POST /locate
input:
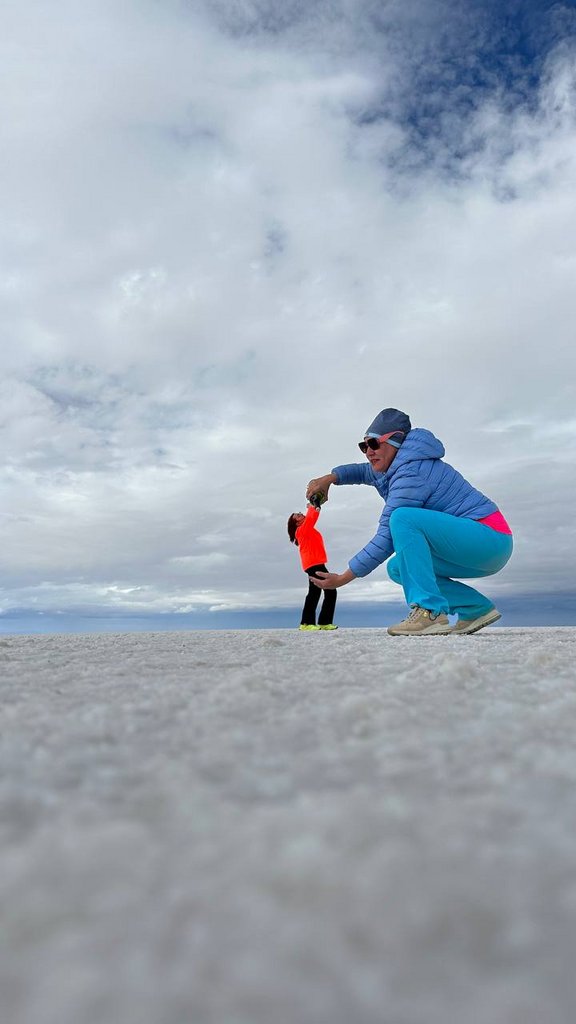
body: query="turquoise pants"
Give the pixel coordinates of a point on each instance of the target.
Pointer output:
(432, 548)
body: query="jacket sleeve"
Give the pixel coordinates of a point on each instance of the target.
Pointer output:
(409, 490)
(354, 473)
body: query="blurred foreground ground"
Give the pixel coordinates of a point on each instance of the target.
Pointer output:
(272, 827)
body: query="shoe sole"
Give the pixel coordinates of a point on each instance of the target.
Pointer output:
(477, 624)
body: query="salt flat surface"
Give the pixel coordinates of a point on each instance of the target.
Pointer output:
(274, 827)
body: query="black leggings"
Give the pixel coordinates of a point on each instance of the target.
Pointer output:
(311, 603)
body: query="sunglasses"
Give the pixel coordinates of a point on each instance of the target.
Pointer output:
(372, 442)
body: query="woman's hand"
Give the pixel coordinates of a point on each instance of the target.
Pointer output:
(332, 580)
(322, 483)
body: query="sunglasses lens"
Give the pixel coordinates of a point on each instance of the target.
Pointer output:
(363, 446)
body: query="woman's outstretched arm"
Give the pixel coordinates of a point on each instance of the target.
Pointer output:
(332, 580)
(321, 483)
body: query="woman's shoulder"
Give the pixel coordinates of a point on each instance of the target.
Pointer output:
(421, 444)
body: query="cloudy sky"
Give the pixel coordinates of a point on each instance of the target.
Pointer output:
(231, 232)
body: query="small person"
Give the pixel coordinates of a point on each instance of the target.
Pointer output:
(303, 533)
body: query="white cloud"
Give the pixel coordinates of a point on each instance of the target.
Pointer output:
(217, 267)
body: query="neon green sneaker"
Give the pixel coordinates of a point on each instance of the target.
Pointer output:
(330, 626)
(310, 627)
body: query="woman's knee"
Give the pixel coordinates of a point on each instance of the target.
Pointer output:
(393, 569)
(402, 517)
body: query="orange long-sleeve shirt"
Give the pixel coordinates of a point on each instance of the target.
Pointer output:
(310, 541)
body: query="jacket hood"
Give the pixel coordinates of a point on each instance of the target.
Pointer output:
(419, 444)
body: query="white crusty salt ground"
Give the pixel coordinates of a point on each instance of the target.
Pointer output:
(274, 827)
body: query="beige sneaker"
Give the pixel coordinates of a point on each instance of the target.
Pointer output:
(473, 625)
(421, 622)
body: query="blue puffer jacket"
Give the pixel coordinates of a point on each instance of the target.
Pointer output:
(416, 478)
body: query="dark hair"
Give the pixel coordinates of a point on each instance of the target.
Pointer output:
(292, 527)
